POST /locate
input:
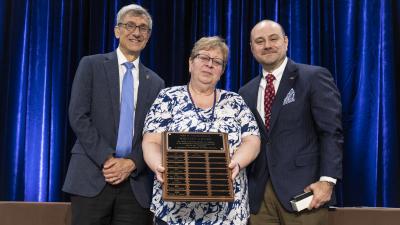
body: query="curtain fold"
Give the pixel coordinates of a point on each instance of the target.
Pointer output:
(42, 41)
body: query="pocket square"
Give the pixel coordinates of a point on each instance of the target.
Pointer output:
(289, 97)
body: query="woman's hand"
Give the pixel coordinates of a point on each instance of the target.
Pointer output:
(235, 167)
(245, 154)
(159, 173)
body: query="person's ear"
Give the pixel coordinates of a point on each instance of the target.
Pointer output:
(116, 32)
(190, 61)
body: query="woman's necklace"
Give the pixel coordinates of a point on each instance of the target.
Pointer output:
(202, 118)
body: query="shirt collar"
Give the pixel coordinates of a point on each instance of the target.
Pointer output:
(122, 59)
(278, 72)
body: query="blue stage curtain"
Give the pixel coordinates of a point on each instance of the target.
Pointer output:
(42, 41)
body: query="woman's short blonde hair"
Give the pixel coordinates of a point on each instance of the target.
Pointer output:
(207, 43)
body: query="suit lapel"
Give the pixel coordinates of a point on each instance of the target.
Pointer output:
(252, 100)
(287, 81)
(142, 96)
(112, 74)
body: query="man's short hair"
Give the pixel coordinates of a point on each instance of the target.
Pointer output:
(134, 10)
(207, 43)
(271, 21)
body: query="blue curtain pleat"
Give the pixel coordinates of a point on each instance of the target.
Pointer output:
(388, 166)
(37, 106)
(42, 41)
(14, 117)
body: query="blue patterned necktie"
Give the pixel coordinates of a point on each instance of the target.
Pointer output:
(127, 114)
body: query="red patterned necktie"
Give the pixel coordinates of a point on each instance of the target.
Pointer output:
(269, 96)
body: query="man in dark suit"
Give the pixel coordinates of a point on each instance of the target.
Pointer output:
(107, 178)
(298, 111)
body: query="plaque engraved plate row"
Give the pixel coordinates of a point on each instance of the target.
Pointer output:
(196, 167)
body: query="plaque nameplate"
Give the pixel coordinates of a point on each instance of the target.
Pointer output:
(196, 167)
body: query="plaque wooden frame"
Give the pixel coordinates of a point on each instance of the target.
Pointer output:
(196, 167)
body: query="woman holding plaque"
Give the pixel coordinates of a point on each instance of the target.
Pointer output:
(200, 107)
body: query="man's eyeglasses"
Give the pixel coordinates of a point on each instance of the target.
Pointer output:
(217, 62)
(132, 27)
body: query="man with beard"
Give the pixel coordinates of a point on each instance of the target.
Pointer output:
(298, 111)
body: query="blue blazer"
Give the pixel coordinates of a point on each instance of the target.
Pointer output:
(305, 137)
(94, 112)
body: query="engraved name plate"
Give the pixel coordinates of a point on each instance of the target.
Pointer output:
(196, 166)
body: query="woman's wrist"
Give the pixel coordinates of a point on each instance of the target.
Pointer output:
(238, 164)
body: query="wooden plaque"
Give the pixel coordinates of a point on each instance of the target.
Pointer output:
(196, 166)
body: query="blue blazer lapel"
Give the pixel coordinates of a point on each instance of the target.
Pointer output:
(142, 96)
(112, 74)
(252, 100)
(288, 78)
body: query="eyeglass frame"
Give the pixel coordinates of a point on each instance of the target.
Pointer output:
(222, 65)
(134, 26)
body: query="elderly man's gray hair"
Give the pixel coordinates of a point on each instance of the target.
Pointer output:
(134, 10)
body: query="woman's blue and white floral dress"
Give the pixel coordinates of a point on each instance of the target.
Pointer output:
(173, 110)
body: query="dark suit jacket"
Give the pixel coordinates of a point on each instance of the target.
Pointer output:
(94, 112)
(305, 137)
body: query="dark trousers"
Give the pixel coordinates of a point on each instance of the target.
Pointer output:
(115, 205)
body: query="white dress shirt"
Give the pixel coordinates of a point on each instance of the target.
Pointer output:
(135, 72)
(278, 72)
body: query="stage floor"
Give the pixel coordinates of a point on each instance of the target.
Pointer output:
(59, 213)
